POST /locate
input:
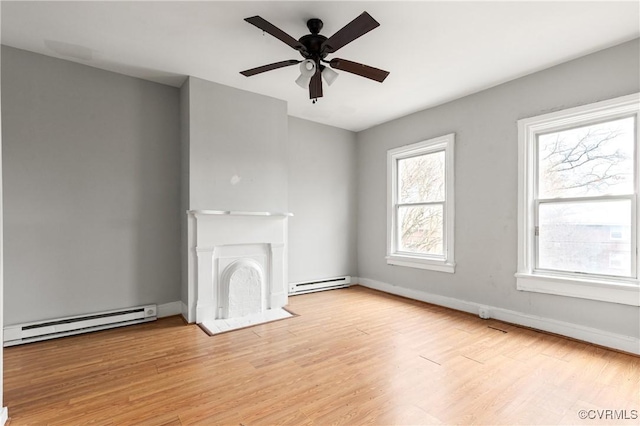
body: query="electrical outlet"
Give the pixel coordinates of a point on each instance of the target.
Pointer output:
(484, 313)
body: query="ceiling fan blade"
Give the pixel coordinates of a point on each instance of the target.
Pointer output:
(359, 69)
(268, 27)
(354, 29)
(315, 86)
(264, 68)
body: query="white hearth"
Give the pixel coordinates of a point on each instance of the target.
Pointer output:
(237, 268)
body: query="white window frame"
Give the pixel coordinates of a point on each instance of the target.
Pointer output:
(444, 263)
(609, 289)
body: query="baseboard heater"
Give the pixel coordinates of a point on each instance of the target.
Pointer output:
(60, 327)
(319, 285)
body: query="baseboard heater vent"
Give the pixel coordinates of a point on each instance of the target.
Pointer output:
(60, 327)
(320, 285)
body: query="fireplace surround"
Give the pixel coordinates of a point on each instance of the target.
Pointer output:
(237, 265)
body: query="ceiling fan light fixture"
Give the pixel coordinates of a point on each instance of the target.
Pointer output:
(329, 75)
(303, 81)
(308, 68)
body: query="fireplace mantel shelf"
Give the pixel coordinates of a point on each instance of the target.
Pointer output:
(236, 213)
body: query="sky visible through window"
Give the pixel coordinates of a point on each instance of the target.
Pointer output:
(579, 230)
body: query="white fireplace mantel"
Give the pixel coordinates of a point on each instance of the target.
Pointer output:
(236, 213)
(215, 236)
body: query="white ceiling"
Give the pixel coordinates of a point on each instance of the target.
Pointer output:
(436, 51)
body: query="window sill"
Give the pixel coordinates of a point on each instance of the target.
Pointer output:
(420, 263)
(625, 292)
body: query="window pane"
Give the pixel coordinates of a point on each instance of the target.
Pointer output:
(587, 161)
(421, 178)
(589, 237)
(421, 229)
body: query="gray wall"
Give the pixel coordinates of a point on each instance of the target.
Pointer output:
(236, 134)
(184, 190)
(91, 164)
(486, 187)
(1, 254)
(234, 153)
(93, 177)
(322, 197)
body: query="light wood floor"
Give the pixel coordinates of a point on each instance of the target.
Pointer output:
(353, 356)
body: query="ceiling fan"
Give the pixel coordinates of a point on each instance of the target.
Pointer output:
(314, 48)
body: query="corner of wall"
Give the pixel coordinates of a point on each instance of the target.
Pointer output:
(184, 185)
(4, 415)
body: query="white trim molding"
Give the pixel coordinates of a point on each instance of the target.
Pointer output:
(169, 309)
(413, 262)
(602, 290)
(623, 290)
(587, 334)
(185, 312)
(237, 213)
(4, 415)
(441, 263)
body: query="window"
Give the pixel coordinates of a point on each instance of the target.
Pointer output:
(420, 205)
(577, 206)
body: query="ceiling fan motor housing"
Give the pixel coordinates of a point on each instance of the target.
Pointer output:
(313, 42)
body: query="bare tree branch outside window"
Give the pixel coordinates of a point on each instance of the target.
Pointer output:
(421, 195)
(592, 160)
(579, 231)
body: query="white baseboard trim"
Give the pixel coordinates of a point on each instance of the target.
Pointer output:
(185, 311)
(169, 309)
(575, 331)
(4, 415)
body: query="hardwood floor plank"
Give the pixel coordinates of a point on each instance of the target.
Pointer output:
(352, 356)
